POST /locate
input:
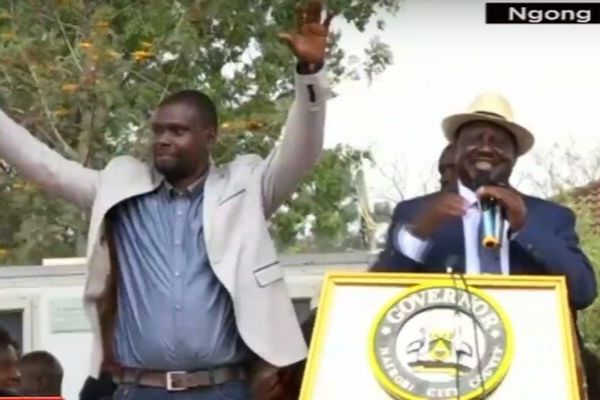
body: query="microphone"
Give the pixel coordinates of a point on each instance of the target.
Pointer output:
(492, 218)
(451, 262)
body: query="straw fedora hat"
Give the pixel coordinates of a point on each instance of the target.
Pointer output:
(491, 107)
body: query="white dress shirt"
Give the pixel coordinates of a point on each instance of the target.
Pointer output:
(414, 247)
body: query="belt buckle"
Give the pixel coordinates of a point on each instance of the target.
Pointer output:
(169, 376)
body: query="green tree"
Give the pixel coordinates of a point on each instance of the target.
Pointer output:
(573, 174)
(589, 234)
(82, 75)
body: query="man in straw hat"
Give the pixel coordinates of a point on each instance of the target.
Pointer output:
(430, 232)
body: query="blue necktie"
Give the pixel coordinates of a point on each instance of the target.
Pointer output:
(489, 259)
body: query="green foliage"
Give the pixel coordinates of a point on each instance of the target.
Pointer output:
(331, 191)
(589, 235)
(590, 242)
(82, 75)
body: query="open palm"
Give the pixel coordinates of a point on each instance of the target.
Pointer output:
(309, 42)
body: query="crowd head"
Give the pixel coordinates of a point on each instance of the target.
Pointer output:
(38, 373)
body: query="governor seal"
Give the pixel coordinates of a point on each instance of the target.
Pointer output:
(441, 342)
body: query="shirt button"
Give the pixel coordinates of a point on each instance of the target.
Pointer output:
(178, 307)
(176, 273)
(177, 242)
(180, 213)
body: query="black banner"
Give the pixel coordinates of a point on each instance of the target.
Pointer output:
(542, 13)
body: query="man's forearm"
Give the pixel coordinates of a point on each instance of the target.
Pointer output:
(302, 142)
(304, 68)
(38, 163)
(403, 252)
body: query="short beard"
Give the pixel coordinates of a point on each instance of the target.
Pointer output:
(178, 171)
(170, 170)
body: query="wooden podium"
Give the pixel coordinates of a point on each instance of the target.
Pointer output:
(428, 336)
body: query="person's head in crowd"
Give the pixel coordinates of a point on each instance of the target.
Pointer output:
(41, 374)
(9, 372)
(446, 168)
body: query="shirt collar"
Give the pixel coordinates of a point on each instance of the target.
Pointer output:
(192, 190)
(159, 180)
(467, 194)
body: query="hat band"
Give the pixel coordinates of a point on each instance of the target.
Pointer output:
(491, 114)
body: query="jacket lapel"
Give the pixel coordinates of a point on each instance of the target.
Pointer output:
(212, 196)
(521, 262)
(448, 248)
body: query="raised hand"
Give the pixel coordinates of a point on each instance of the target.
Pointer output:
(309, 41)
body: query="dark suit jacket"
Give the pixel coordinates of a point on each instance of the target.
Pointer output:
(546, 245)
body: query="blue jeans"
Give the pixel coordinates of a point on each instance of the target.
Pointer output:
(232, 390)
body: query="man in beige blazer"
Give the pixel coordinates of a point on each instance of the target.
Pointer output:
(184, 288)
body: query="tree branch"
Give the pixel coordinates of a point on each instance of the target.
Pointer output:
(145, 79)
(68, 149)
(64, 33)
(395, 179)
(172, 73)
(165, 89)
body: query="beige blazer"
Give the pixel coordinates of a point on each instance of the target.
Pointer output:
(239, 198)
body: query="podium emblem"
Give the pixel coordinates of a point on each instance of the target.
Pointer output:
(440, 342)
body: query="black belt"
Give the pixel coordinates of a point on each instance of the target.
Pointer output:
(175, 381)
